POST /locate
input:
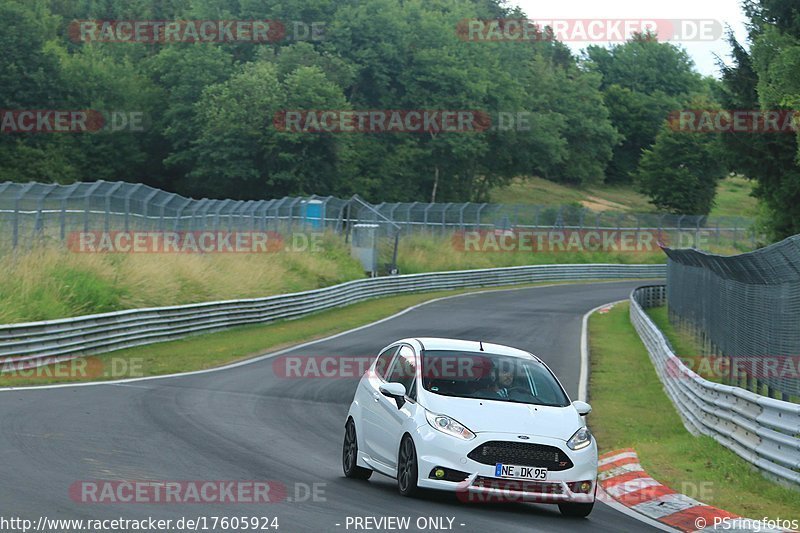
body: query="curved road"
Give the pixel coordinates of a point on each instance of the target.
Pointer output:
(246, 423)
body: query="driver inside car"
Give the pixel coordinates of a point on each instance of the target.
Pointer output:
(502, 382)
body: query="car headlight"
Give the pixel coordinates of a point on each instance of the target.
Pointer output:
(580, 440)
(445, 424)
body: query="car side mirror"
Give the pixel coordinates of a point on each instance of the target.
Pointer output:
(397, 391)
(583, 408)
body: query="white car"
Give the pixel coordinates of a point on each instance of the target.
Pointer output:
(484, 420)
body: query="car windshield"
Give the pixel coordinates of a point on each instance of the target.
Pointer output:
(490, 377)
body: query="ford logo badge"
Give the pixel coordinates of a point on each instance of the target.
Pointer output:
(523, 437)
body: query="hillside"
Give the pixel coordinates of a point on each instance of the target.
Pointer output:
(733, 196)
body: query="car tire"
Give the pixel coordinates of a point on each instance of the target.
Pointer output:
(407, 471)
(578, 510)
(350, 454)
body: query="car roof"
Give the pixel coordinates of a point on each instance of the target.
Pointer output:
(438, 343)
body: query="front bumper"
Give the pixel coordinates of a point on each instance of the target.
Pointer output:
(438, 450)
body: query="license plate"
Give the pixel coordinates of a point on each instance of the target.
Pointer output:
(520, 472)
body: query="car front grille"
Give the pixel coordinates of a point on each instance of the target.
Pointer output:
(511, 485)
(521, 453)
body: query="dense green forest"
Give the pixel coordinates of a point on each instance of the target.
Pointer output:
(205, 111)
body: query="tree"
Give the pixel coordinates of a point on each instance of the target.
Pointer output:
(643, 80)
(767, 78)
(681, 171)
(239, 153)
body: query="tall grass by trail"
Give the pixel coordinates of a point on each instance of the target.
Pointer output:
(49, 282)
(428, 253)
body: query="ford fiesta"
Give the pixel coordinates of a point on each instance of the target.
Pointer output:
(484, 420)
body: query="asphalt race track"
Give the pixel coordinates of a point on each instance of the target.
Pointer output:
(246, 423)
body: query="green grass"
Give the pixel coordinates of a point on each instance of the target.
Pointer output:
(539, 191)
(216, 349)
(49, 282)
(631, 410)
(428, 253)
(733, 196)
(685, 346)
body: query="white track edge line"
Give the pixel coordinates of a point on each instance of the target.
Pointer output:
(301, 345)
(583, 392)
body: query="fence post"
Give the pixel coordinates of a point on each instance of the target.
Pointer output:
(478, 217)
(67, 196)
(426, 216)
(87, 203)
(40, 208)
(109, 194)
(291, 213)
(131, 192)
(22, 192)
(179, 213)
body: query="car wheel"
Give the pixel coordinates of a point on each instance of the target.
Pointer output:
(407, 468)
(350, 454)
(579, 510)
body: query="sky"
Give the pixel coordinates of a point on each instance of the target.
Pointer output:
(725, 12)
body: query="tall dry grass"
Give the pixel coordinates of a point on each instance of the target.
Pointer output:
(49, 282)
(429, 253)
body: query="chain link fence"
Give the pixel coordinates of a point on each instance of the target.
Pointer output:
(744, 308)
(33, 211)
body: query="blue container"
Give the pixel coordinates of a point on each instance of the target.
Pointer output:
(313, 213)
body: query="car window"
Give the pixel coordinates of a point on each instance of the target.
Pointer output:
(490, 376)
(404, 369)
(383, 361)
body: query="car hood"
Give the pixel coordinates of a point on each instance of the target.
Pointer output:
(492, 416)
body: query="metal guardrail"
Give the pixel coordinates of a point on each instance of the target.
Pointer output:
(38, 343)
(763, 431)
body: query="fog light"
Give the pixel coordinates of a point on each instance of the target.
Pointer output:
(580, 487)
(441, 473)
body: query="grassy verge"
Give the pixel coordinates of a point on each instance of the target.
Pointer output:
(217, 349)
(631, 409)
(539, 191)
(688, 349)
(734, 196)
(429, 253)
(49, 282)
